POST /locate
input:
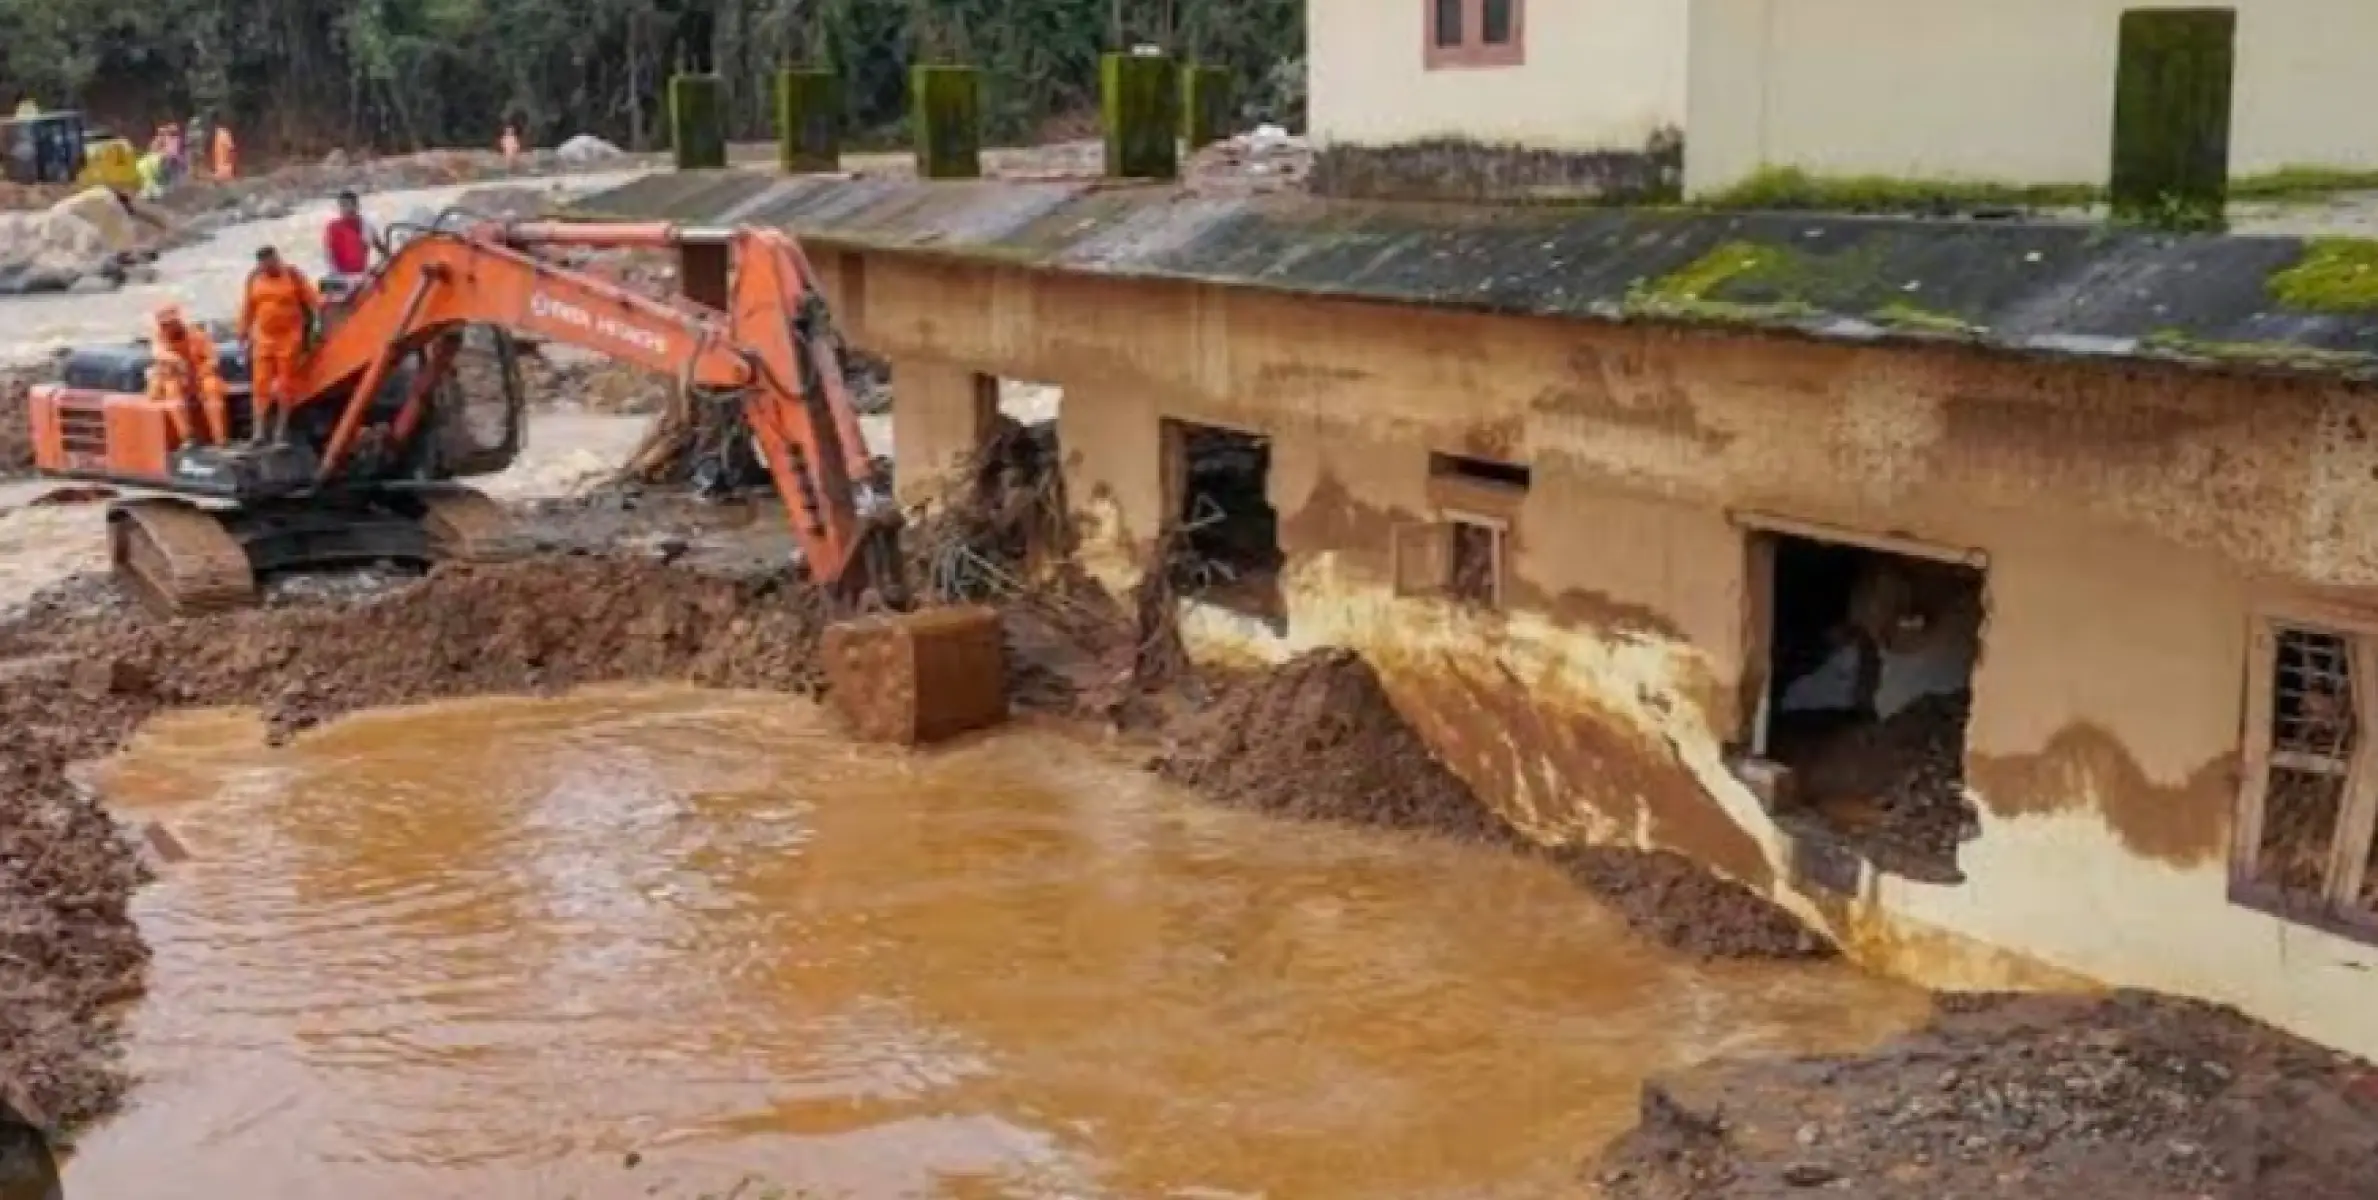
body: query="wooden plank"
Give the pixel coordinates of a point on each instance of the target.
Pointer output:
(1887, 543)
(2262, 668)
(2349, 855)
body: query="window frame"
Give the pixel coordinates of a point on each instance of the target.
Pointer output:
(1473, 51)
(2337, 908)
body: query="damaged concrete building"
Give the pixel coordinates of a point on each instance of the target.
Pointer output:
(1520, 100)
(1998, 597)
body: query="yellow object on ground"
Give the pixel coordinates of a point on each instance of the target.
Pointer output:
(110, 162)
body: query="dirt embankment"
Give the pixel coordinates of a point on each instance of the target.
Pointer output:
(2127, 1097)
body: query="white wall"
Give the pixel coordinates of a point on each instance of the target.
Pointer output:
(1600, 75)
(2018, 91)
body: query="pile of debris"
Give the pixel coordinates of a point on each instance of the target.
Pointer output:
(1894, 790)
(2126, 1097)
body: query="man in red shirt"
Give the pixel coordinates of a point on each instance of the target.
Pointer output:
(347, 240)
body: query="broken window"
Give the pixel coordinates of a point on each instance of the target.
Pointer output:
(2306, 842)
(1226, 545)
(1868, 684)
(1463, 553)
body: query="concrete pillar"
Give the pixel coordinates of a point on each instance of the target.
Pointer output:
(946, 121)
(808, 120)
(1113, 443)
(1205, 105)
(1140, 103)
(941, 414)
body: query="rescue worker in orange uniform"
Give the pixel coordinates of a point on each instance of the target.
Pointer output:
(226, 153)
(185, 373)
(275, 319)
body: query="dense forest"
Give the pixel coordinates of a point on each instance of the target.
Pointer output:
(304, 76)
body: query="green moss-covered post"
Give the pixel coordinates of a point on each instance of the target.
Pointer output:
(1140, 101)
(808, 120)
(1205, 105)
(698, 136)
(2171, 116)
(698, 121)
(946, 121)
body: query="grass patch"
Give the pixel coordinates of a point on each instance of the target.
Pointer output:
(1900, 315)
(2301, 183)
(1790, 189)
(2335, 275)
(2269, 354)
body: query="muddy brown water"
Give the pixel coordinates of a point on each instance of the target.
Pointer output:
(493, 948)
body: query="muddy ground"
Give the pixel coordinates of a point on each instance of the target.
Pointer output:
(2124, 1097)
(2089, 1096)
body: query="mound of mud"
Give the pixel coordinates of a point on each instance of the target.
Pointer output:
(1317, 740)
(535, 627)
(2127, 1097)
(540, 626)
(1666, 897)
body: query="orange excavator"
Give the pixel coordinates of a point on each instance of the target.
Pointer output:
(360, 463)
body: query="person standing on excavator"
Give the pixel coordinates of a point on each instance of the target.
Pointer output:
(275, 319)
(347, 239)
(185, 373)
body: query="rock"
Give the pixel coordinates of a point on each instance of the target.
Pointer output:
(587, 148)
(96, 677)
(1809, 1174)
(335, 159)
(93, 285)
(104, 213)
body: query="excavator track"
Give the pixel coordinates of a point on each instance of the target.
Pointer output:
(177, 558)
(466, 526)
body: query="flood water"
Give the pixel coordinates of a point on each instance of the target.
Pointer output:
(494, 948)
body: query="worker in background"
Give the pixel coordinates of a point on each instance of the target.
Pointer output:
(175, 163)
(347, 239)
(186, 374)
(510, 145)
(226, 153)
(275, 319)
(151, 169)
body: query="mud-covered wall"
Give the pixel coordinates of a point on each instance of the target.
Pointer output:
(2125, 512)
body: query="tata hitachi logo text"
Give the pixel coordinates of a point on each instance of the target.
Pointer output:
(546, 308)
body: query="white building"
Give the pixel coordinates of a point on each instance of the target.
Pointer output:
(1590, 95)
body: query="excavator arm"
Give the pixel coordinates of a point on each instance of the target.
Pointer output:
(770, 349)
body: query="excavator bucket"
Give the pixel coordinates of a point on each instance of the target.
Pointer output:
(912, 679)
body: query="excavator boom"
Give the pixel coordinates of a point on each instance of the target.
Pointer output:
(772, 350)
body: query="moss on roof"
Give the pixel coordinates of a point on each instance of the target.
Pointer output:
(2032, 286)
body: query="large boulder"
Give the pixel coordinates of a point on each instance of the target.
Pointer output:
(587, 149)
(51, 251)
(106, 213)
